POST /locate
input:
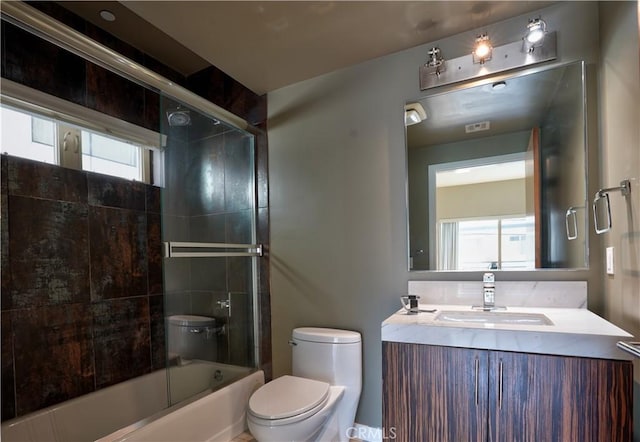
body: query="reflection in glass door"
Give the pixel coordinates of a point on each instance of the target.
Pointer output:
(210, 265)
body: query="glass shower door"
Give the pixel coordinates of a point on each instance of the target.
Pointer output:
(210, 264)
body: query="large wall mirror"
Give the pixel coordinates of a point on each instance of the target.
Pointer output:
(497, 174)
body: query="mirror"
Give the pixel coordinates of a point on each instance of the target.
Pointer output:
(497, 174)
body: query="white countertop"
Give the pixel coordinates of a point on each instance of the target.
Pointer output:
(575, 332)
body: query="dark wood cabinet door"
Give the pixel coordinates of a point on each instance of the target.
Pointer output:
(553, 398)
(434, 393)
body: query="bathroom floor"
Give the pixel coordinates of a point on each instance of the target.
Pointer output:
(244, 437)
(247, 437)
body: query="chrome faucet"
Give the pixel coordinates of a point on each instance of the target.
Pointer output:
(488, 291)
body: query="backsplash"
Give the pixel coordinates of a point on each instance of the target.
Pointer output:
(561, 294)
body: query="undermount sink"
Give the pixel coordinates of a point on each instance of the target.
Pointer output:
(485, 317)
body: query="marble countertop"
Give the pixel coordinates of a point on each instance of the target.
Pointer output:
(575, 332)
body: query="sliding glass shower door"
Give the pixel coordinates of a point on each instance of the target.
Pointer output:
(210, 263)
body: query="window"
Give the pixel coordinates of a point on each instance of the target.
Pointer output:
(40, 138)
(481, 244)
(27, 136)
(112, 157)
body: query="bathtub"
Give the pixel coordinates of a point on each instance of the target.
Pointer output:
(136, 410)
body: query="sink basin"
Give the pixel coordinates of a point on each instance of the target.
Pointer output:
(482, 317)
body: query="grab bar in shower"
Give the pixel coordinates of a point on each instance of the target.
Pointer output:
(174, 249)
(603, 194)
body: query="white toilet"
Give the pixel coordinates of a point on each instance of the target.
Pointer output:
(317, 403)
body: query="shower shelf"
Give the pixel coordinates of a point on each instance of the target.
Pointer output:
(173, 249)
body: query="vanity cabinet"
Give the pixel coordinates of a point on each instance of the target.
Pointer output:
(437, 393)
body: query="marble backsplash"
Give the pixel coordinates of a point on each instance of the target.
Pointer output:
(560, 294)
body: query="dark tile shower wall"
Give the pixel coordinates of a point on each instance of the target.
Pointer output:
(210, 201)
(79, 308)
(40, 65)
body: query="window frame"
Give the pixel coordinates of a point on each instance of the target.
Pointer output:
(71, 119)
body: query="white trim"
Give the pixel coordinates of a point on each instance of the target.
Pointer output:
(35, 101)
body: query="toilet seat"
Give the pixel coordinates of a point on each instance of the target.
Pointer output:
(288, 399)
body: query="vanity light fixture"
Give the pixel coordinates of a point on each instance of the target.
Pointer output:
(414, 113)
(435, 65)
(536, 31)
(482, 49)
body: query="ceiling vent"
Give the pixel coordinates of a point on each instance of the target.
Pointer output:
(477, 127)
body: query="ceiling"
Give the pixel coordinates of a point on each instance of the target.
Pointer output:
(519, 105)
(267, 45)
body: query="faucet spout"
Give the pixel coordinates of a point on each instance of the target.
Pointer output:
(488, 291)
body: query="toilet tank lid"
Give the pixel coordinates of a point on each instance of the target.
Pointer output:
(192, 320)
(330, 335)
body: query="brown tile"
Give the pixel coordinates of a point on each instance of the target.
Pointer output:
(61, 14)
(110, 191)
(53, 355)
(5, 272)
(8, 376)
(154, 253)
(152, 111)
(48, 246)
(121, 339)
(118, 253)
(153, 195)
(114, 95)
(29, 60)
(47, 181)
(158, 350)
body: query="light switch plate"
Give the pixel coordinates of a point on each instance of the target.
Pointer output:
(609, 260)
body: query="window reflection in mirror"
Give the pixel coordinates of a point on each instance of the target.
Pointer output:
(493, 173)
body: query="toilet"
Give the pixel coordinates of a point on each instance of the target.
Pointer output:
(192, 337)
(318, 401)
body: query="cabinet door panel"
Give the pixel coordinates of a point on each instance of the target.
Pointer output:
(434, 393)
(552, 398)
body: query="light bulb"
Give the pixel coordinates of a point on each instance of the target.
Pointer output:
(482, 50)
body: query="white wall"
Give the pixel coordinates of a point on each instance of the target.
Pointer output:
(337, 170)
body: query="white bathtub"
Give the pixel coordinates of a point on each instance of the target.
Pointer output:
(136, 410)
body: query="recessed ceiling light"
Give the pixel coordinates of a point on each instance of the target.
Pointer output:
(107, 15)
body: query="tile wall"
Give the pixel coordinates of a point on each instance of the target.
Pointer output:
(81, 297)
(64, 321)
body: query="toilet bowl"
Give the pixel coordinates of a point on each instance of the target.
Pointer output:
(192, 337)
(319, 401)
(293, 409)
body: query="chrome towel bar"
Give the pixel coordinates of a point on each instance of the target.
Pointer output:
(603, 194)
(174, 249)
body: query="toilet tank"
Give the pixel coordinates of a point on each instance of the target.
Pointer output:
(329, 355)
(192, 337)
